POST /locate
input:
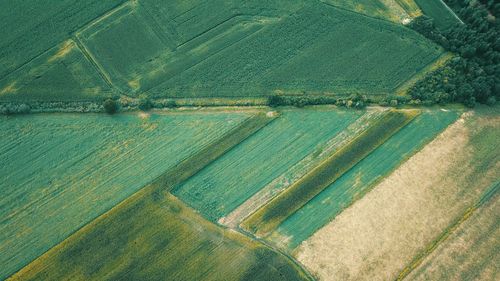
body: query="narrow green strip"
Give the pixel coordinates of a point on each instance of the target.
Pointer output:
(285, 204)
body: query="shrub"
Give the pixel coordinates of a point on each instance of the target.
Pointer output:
(10, 108)
(171, 104)
(111, 106)
(145, 104)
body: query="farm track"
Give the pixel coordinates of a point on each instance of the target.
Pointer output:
(485, 198)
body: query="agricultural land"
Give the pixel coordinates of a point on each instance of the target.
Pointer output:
(250, 140)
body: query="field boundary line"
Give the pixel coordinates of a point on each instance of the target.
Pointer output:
(203, 59)
(270, 216)
(451, 11)
(86, 53)
(271, 246)
(450, 229)
(15, 69)
(104, 16)
(169, 37)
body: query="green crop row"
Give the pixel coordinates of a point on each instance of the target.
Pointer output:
(286, 203)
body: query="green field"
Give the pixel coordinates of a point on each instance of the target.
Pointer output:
(444, 18)
(31, 27)
(196, 49)
(60, 171)
(364, 175)
(383, 9)
(387, 232)
(62, 73)
(293, 198)
(150, 238)
(291, 62)
(236, 176)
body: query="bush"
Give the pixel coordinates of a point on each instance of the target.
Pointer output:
(111, 106)
(274, 101)
(10, 108)
(145, 104)
(171, 104)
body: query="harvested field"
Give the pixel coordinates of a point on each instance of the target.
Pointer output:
(378, 236)
(471, 250)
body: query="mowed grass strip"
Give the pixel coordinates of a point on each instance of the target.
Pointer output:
(149, 239)
(207, 155)
(271, 215)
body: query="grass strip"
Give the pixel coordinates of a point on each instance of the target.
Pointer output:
(417, 260)
(190, 166)
(297, 195)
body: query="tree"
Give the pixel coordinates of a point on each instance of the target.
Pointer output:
(111, 106)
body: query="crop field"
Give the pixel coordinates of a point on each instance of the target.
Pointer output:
(31, 27)
(221, 48)
(406, 214)
(471, 251)
(148, 238)
(360, 178)
(301, 168)
(243, 171)
(310, 31)
(393, 10)
(61, 171)
(266, 140)
(437, 10)
(293, 198)
(61, 73)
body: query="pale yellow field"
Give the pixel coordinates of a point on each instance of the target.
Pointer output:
(377, 237)
(471, 252)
